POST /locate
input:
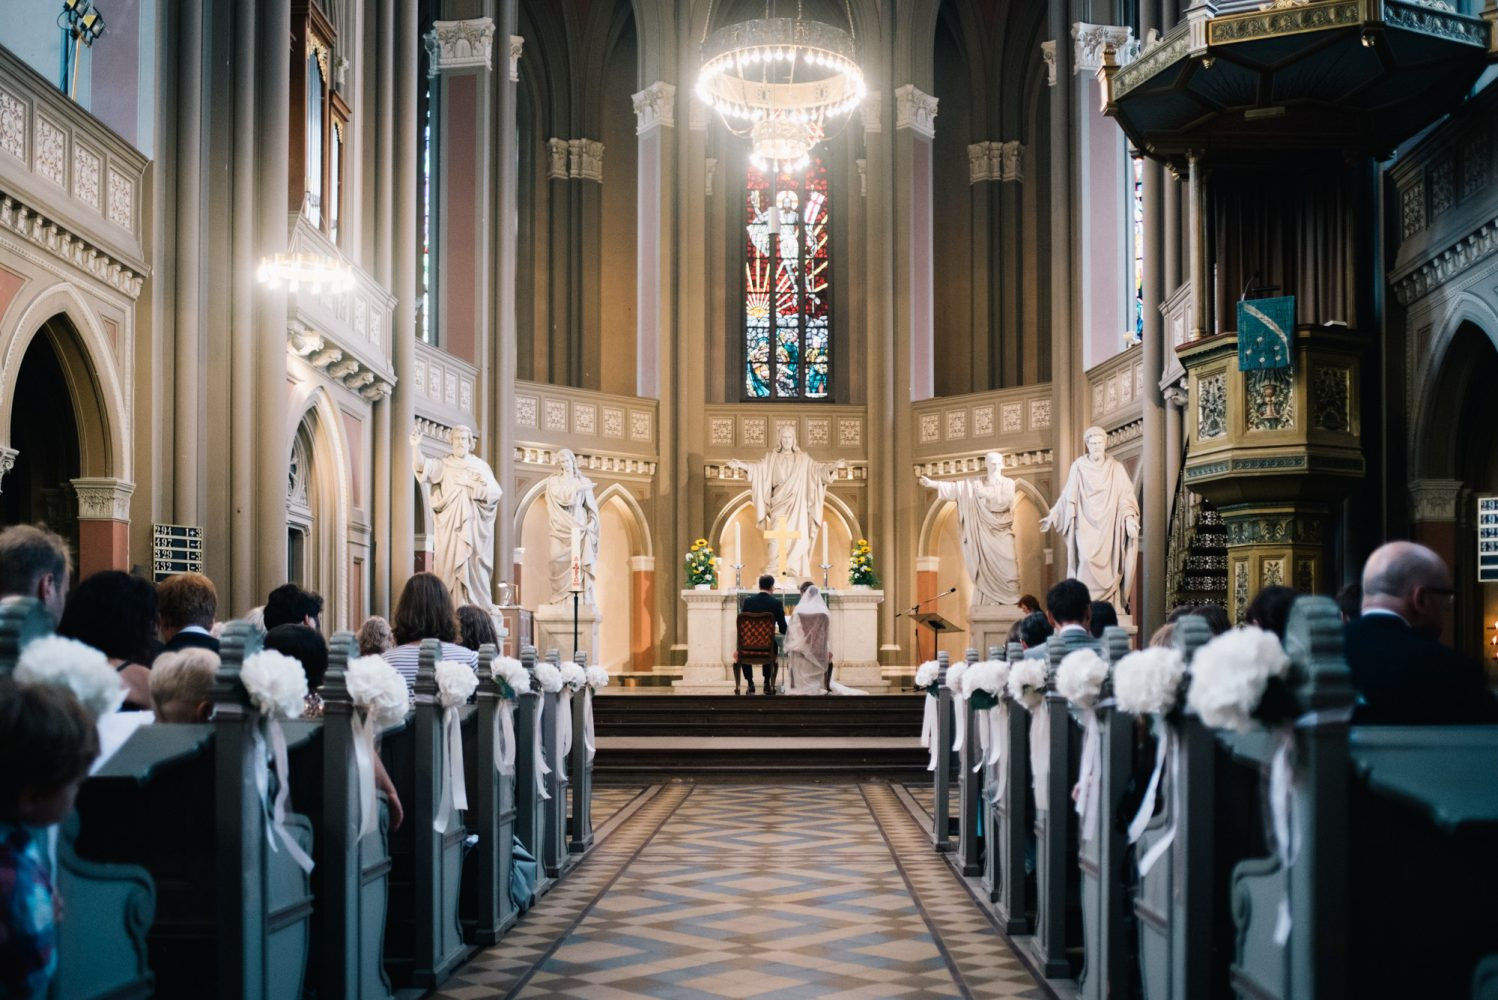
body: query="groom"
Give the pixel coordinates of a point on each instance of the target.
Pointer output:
(765, 600)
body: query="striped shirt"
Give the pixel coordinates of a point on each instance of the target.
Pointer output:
(408, 657)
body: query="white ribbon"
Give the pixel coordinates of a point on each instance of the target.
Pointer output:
(959, 722)
(504, 737)
(276, 813)
(1282, 804)
(1090, 780)
(588, 723)
(536, 755)
(1040, 753)
(928, 731)
(364, 751)
(983, 737)
(1173, 777)
(564, 724)
(454, 788)
(999, 719)
(1164, 739)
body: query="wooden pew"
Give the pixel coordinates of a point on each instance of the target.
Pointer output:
(487, 911)
(233, 916)
(941, 777)
(102, 950)
(530, 808)
(554, 857)
(969, 784)
(1103, 856)
(424, 939)
(1057, 893)
(580, 826)
(1010, 820)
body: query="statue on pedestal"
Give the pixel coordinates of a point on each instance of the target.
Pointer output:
(985, 517)
(572, 517)
(1097, 515)
(788, 488)
(465, 501)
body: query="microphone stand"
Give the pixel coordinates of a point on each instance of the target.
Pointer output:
(916, 607)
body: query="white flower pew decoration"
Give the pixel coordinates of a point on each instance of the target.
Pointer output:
(597, 678)
(548, 678)
(574, 679)
(1027, 684)
(926, 676)
(959, 710)
(380, 699)
(513, 680)
(984, 684)
(1148, 683)
(1080, 678)
(277, 686)
(80, 668)
(456, 683)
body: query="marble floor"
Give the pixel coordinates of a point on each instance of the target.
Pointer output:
(711, 891)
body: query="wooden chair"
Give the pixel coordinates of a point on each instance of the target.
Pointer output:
(756, 644)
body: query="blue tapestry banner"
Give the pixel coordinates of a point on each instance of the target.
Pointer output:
(1265, 329)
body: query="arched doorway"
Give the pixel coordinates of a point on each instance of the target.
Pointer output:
(316, 518)
(44, 433)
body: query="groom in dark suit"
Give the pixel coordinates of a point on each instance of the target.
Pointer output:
(765, 600)
(1403, 675)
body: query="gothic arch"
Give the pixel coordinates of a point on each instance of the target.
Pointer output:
(637, 523)
(314, 417)
(95, 381)
(739, 501)
(1443, 384)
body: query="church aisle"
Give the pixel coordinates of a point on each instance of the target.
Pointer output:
(713, 891)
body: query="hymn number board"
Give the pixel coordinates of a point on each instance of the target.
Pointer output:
(1487, 539)
(175, 548)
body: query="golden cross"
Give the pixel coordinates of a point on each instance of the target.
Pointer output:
(781, 533)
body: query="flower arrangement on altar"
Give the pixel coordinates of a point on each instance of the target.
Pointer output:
(701, 566)
(861, 565)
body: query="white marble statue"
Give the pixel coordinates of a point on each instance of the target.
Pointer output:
(985, 517)
(1098, 517)
(465, 500)
(787, 485)
(572, 518)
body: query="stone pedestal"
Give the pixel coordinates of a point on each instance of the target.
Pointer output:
(553, 625)
(989, 625)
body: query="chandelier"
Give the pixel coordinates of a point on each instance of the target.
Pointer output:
(777, 81)
(313, 271)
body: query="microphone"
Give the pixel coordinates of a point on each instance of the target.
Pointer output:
(916, 606)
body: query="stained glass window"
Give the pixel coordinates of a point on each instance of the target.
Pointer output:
(425, 331)
(787, 319)
(1137, 176)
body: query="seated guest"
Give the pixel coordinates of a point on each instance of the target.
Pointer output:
(1069, 605)
(1034, 629)
(289, 604)
(47, 742)
(115, 613)
(1103, 615)
(185, 607)
(1403, 675)
(1350, 602)
(182, 685)
(1029, 604)
(1270, 609)
(34, 562)
(307, 646)
(475, 627)
(1013, 635)
(1165, 636)
(425, 611)
(256, 619)
(375, 636)
(1215, 615)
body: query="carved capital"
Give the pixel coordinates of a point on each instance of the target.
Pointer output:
(302, 341)
(655, 107)
(869, 111)
(556, 153)
(977, 163)
(585, 159)
(863, 177)
(1048, 56)
(460, 45)
(710, 168)
(1433, 501)
(7, 462)
(915, 110)
(103, 498)
(1011, 154)
(516, 44)
(1090, 40)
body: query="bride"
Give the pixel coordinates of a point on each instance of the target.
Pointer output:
(808, 660)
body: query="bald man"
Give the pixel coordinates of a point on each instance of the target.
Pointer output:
(1404, 676)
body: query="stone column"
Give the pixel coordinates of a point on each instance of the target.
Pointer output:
(915, 127)
(103, 524)
(272, 152)
(1434, 523)
(189, 375)
(1066, 401)
(657, 354)
(642, 613)
(505, 334)
(243, 384)
(1156, 459)
(403, 287)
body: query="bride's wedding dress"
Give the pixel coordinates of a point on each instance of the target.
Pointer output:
(806, 653)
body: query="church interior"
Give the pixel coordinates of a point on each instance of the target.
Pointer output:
(598, 310)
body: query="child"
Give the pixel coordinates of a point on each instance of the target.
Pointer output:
(47, 742)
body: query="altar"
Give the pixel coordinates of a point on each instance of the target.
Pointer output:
(711, 638)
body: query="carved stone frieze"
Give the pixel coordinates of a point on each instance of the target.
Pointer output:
(616, 465)
(460, 45)
(1330, 392)
(1270, 399)
(1212, 407)
(1286, 529)
(68, 246)
(1445, 265)
(103, 498)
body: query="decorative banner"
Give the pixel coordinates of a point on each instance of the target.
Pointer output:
(1487, 539)
(1265, 327)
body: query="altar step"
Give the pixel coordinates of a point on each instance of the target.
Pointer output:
(757, 715)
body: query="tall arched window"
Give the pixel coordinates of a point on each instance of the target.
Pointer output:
(787, 314)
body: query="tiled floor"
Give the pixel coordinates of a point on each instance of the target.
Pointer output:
(742, 891)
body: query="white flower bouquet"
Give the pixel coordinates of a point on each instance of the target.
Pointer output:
(377, 688)
(926, 675)
(597, 677)
(276, 684)
(514, 680)
(1238, 680)
(1148, 682)
(574, 676)
(1080, 677)
(954, 678)
(456, 683)
(548, 676)
(1027, 680)
(984, 683)
(80, 668)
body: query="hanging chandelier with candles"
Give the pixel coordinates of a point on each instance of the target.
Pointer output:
(778, 81)
(313, 271)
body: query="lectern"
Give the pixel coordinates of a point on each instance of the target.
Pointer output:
(936, 623)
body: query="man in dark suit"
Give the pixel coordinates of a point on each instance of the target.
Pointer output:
(1403, 675)
(765, 600)
(185, 607)
(1069, 606)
